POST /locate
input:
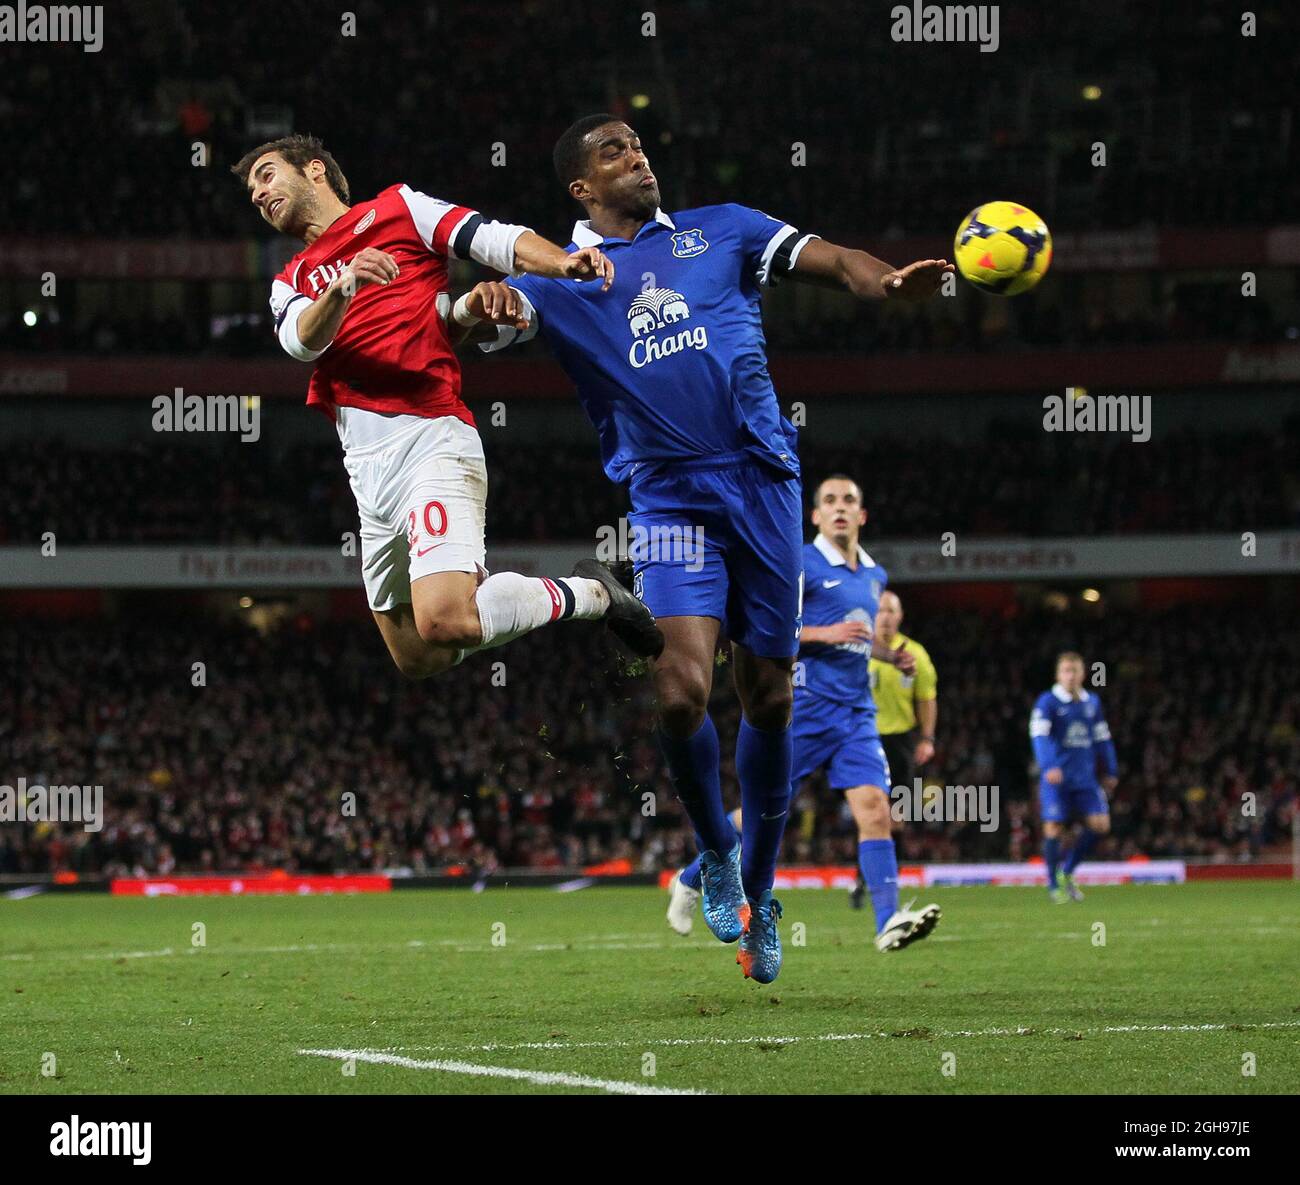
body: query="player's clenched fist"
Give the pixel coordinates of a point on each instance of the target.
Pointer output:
(368, 266)
(497, 302)
(591, 263)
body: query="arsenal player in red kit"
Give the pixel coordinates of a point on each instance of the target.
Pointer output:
(366, 300)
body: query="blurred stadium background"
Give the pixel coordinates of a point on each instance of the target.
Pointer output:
(187, 548)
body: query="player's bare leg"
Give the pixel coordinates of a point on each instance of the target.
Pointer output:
(869, 806)
(454, 613)
(683, 674)
(683, 680)
(765, 688)
(430, 635)
(415, 657)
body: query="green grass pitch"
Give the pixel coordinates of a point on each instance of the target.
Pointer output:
(532, 990)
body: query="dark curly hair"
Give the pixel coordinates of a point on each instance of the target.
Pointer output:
(297, 150)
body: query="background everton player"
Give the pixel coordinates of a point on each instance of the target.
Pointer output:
(366, 301)
(1069, 733)
(672, 371)
(834, 713)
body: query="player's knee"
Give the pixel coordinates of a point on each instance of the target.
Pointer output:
(681, 716)
(455, 629)
(1100, 824)
(872, 814)
(770, 706)
(683, 697)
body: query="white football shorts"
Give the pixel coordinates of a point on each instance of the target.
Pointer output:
(421, 491)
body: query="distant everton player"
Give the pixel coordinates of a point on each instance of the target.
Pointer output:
(670, 366)
(1069, 733)
(834, 713)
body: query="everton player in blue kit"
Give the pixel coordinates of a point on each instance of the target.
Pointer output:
(834, 714)
(670, 366)
(1069, 733)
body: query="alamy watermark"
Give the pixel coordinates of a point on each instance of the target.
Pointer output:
(179, 412)
(53, 804)
(23, 22)
(946, 22)
(1081, 412)
(89, 1137)
(678, 543)
(921, 803)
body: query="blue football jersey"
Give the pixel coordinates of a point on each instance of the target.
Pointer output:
(1070, 734)
(671, 363)
(833, 592)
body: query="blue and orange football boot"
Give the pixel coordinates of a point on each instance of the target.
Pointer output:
(759, 955)
(726, 912)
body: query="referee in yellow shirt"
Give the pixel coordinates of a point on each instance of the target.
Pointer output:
(903, 701)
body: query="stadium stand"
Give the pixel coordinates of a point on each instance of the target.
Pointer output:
(1208, 148)
(249, 772)
(232, 494)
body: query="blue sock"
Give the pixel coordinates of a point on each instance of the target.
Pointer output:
(693, 765)
(1052, 856)
(763, 765)
(879, 864)
(691, 873)
(1082, 846)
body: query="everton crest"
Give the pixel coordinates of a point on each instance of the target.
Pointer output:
(689, 243)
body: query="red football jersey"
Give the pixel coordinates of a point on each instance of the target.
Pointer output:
(391, 352)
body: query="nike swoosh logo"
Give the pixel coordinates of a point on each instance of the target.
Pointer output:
(831, 583)
(425, 550)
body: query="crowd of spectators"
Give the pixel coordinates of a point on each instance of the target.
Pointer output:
(304, 750)
(1191, 313)
(1008, 480)
(895, 136)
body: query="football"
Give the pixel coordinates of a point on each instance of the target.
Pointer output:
(1003, 248)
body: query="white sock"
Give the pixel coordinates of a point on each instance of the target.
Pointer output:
(511, 605)
(590, 600)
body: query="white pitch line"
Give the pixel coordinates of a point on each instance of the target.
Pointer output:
(1020, 1031)
(168, 951)
(576, 947)
(453, 945)
(537, 1077)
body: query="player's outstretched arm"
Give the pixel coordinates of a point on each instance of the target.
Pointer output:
(540, 257)
(477, 313)
(865, 276)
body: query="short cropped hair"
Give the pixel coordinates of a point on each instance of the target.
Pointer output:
(570, 153)
(817, 493)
